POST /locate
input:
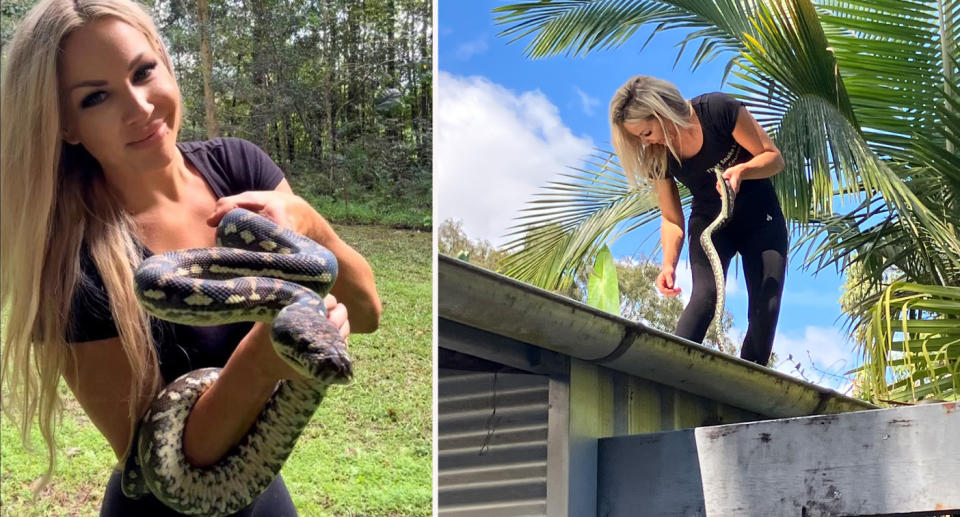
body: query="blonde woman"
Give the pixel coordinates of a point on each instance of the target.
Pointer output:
(663, 138)
(93, 180)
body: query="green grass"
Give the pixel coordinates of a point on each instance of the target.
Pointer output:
(405, 215)
(367, 450)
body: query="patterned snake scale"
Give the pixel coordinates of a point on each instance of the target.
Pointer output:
(261, 272)
(706, 241)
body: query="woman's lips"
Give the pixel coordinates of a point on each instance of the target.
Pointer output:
(155, 136)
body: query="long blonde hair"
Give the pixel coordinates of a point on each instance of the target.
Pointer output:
(645, 98)
(54, 198)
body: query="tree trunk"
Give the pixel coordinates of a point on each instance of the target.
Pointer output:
(258, 115)
(291, 139)
(206, 69)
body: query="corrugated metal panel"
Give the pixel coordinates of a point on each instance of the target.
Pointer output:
(492, 433)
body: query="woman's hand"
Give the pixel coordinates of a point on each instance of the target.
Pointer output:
(733, 177)
(288, 210)
(355, 285)
(337, 314)
(272, 367)
(667, 282)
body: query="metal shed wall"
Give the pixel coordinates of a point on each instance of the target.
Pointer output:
(619, 404)
(492, 432)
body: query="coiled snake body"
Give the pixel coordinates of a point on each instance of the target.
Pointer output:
(263, 273)
(706, 241)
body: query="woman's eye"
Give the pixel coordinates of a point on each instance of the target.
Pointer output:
(93, 99)
(144, 71)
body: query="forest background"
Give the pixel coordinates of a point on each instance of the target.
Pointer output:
(337, 92)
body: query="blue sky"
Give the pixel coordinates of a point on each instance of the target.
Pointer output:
(506, 124)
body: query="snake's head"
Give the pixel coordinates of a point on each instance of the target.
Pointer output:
(311, 344)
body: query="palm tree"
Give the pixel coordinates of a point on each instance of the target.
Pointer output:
(863, 100)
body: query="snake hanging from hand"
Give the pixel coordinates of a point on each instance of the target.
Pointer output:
(706, 241)
(261, 272)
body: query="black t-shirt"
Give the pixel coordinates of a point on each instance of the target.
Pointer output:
(718, 116)
(229, 166)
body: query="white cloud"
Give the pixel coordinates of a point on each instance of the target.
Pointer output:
(468, 49)
(823, 354)
(586, 101)
(493, 149)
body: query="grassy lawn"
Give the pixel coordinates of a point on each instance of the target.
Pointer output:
(367, 450)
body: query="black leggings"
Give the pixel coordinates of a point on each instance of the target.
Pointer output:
(273, 502)
(761, 240)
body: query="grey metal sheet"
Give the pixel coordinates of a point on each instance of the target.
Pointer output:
(492, 443)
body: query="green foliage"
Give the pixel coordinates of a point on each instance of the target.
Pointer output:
(563, 229)
(912, 344)
(453, 241)
(303, 81)
(11, 12)
(863, 100)
(371, 209)
(640, 301)
(367, 450)
(602, 290)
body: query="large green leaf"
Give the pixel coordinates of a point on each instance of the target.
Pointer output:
(602, 290)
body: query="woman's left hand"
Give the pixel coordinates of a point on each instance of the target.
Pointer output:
(337, 314)
(732, 177)
(288, 210)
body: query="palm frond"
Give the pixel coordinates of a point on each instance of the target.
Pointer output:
(576, 27)
(894, 61)
(573, 218)
(817, 131)
(913, 343)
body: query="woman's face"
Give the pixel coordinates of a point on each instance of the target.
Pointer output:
(118, 98)
(648, 130)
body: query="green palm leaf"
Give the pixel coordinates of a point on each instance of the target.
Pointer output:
(577, 27)
(925, 360)
(572, 219)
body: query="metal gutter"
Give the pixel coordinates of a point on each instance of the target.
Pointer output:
(479, 298)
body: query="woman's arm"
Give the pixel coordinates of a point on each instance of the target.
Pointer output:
(766, 159)
(224, 414)
(355, 286)
(671, 234)
(99, 376)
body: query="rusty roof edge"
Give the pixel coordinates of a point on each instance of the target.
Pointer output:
(496, 303)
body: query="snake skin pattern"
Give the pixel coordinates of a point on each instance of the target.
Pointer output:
(706, 241)
(260, 272)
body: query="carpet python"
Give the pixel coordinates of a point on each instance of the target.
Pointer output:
(258, 272)
(727, 196)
